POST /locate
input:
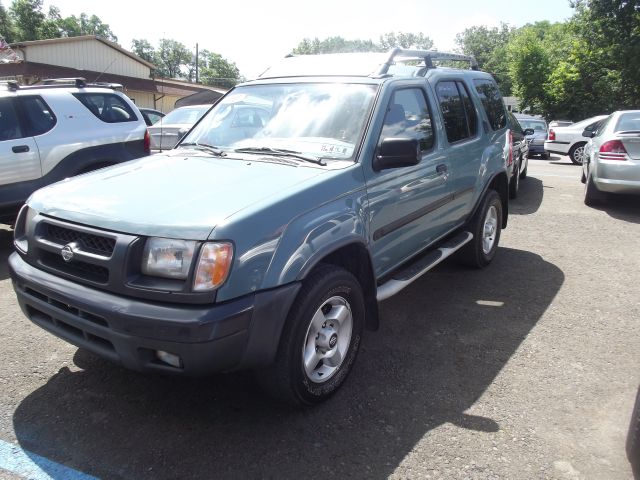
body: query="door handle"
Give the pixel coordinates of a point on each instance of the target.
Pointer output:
(442, 168)
(20, 148)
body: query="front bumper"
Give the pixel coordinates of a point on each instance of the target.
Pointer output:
(242, 333)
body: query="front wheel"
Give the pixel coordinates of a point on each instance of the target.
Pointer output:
(320, 339)
(485, 226)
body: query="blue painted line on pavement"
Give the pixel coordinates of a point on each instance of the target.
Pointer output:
(29, 465)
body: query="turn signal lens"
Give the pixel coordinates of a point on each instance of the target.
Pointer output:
(213, 267)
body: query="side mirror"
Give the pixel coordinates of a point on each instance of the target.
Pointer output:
(396, 153)
(528, 131)
(588, 133)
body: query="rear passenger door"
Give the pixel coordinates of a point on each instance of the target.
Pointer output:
(465, 145)
(19, 157)
(405, 203)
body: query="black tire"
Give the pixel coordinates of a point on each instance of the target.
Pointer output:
(633, 438)
(287, 379)
(514, 183)
(592, 196)
(576, 154)
(523, 173)
(546, 156)
(475, 253)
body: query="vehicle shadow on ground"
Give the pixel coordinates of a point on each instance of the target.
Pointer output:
(6, 247)
(529, 197)
(441, 344)
(621, 207)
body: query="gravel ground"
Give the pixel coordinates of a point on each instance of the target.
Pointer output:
(524, 370)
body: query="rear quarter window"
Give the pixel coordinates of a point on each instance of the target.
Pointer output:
(492, 103)
(108, 107)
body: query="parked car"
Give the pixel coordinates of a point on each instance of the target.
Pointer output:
(612, 157)
(151, 116)
(172, 127)
(66, 127)
(536, 139)
(569, 140)
(271, 249)
(560, 123)
(520, 160)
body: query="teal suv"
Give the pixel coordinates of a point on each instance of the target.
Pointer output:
(267, 237)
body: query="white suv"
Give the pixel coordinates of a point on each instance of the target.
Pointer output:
(60, 129)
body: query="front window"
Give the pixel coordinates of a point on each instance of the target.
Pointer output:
(321, 120)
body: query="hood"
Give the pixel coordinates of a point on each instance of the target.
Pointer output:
(174, 195)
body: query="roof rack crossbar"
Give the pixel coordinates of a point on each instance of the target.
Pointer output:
(428, 56)
(77, 81)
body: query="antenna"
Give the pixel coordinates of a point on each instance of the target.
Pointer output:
(104, 71)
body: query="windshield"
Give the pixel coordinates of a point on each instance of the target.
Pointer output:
(324, 120)
(537, 125)
(188, 115)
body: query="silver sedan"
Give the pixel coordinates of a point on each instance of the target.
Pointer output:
(612, 157)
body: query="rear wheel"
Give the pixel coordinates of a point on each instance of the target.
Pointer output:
(514, 184)
(320, 340)
(485, 225)
(546, 156)
(576, 154)
(523, 173)
(592, 196)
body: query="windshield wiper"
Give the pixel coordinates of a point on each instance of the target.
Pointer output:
(281, 153)
(207, 148)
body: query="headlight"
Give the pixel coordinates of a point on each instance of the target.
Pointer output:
(213, 266)
(165, 257)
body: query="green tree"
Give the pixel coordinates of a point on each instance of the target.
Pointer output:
(341, 45)
(73, 26)
(609, 53)
(6, 24)
(489, 47)
(143, 49)
(172, 59)
(405, 40)
(333, 45)
(28, 19)
(216, 71)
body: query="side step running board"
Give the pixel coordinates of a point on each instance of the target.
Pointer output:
(404, 278)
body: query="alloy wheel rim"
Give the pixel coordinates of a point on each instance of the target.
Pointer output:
(578, 155)
(327, 340)
(490, 229)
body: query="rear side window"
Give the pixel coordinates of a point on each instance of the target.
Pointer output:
(460, 119)
(9, 124)
(40, 117)
(492, 103)
(107, 107)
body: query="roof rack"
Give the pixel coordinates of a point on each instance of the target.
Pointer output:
(428, 56)
(77, 81)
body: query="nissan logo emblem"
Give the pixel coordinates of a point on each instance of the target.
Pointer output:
(67, 253)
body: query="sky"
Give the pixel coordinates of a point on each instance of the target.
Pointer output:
(255, 33)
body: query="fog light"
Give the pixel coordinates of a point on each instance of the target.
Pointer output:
(169, 358)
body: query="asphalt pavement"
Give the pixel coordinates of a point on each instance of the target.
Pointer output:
(527, 369)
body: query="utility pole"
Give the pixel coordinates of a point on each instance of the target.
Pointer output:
(197, 79)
